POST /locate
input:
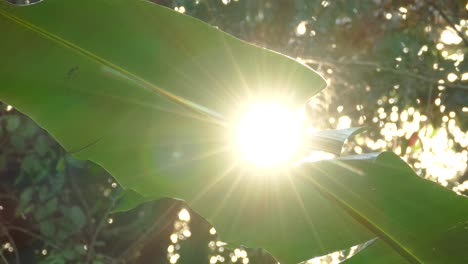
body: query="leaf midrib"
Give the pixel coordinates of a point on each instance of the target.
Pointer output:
(400, 249)
(202, 111)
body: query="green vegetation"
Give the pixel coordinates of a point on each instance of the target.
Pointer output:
(151, 96)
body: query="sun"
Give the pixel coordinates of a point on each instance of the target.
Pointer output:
(269, 134)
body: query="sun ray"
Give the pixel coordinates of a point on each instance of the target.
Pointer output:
(304, 211)
(229, 191)
(208, 187)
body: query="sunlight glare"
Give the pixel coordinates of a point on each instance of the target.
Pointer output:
(450, 37)
(269, 134)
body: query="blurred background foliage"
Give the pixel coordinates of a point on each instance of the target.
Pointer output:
(395, 66)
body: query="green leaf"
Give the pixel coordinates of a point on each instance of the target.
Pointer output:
(57, 182)
(130, 199)
(51, 206)
(69, 254)
(394, 203)
(47, 228)
(73, 162)
(41, 145)
(29, 129)
(77, 216)
(44, 193)
(30, 164)
(60, 166)
(46, 210)
(332, 140)
(132, 107)
(171, 64)
(12, 123)
(26, 195)
(18, 142)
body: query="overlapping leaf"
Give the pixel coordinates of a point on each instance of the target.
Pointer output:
(332, 140)
(418, 219)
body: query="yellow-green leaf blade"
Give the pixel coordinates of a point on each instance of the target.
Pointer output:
(101, 78)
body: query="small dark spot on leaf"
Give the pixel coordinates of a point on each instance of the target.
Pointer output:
(73, 71)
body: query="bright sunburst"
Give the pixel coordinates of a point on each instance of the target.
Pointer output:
(269, 134)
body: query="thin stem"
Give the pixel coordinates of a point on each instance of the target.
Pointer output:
(28, 232)
(2, 257)
(151, 230)
(98, 229)
(10, 239)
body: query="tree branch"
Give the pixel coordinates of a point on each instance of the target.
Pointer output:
(450, 22)
(376, 65)
(100, 226)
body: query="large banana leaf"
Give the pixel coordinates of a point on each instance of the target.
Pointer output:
(148, 94)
